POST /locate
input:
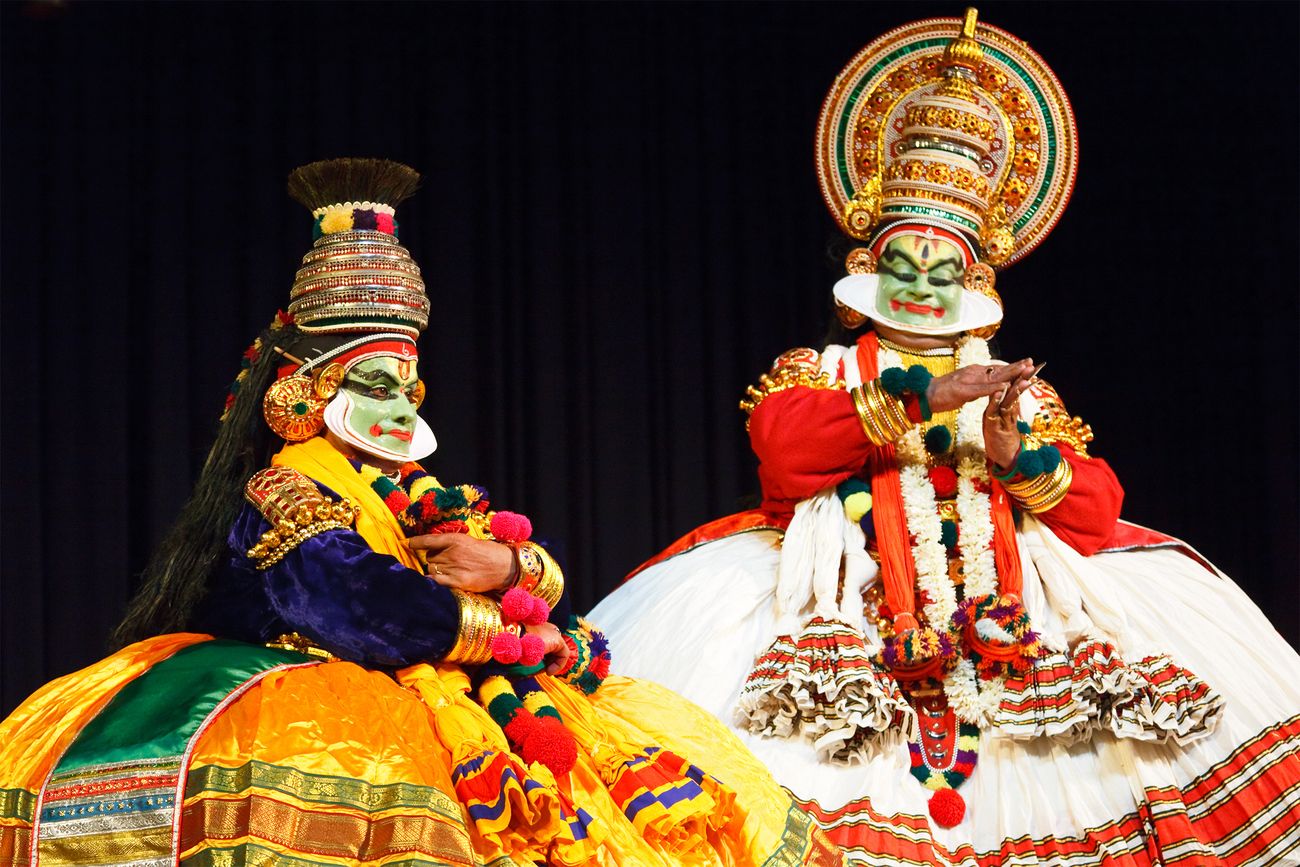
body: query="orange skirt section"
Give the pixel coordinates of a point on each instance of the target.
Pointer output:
(336, 764)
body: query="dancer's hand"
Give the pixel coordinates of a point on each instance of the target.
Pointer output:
(465, 563)
(557, 652)
(1001, 438)
(954, 390)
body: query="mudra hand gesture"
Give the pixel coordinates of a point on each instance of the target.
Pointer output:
(1003, 384)
(465, 563)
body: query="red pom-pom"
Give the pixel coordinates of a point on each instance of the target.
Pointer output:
(511, 527)
(944, 480)
(533, 649)
(284, 318)
(506, 648)
(384, 223)
(450, 527)
(551, 744)
(516, 605)
(599, 667)
(947, 807)
(539, 611)
(520, 727)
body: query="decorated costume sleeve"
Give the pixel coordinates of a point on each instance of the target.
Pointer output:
(806, 439)
(1087, 515)
(359, 605)
(810, 433)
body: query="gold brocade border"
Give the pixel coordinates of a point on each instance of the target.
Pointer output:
(15, 844)
(122, 846)
(804, 843)
(323, 833)
(254, 855)
(319, 789)
(17, 804)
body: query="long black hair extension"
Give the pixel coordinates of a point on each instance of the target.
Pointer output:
(178, 573)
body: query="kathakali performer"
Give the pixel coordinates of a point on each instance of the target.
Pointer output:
(936, 631)
(336, 659)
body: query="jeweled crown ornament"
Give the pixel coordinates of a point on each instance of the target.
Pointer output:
(950, 123)
(356, 277)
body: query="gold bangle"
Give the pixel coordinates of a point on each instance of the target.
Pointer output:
(550, 584)
(480, 621)
(1041, 493)
(883, 417)
(531, 565)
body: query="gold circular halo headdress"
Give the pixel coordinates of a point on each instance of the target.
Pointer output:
(953, 123)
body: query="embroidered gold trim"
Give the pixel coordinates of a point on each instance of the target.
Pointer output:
(798, 367)
(1052, 423)
(296, 510)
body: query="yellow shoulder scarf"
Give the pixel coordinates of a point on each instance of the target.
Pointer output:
(319, 460)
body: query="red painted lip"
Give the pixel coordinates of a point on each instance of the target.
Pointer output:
(376, 431)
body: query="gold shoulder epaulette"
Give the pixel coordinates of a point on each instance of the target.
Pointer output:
(296, 510)
(794, 368)
(1053, 424)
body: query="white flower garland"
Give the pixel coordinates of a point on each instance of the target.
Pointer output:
(969, 702)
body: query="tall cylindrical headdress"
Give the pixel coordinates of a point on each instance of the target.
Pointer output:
(356, 277)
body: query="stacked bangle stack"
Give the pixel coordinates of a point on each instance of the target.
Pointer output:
(1042, 492)
(1040, 478)
(482, 620)
(480, 623)
(539, 574)
(884, 417)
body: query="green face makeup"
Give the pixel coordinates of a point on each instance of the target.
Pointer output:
(920, 281)
(384, 401)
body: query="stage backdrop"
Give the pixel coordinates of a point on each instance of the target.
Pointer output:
(620, 227)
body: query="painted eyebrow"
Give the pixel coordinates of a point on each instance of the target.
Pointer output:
(373, 377)
(893, 253)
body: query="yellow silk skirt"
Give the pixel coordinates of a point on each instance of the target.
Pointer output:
(335, 764)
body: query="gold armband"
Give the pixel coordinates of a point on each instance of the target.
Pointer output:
(296, 510)
(1041, 493)
(1052, 423)
(539, 574)
(480, 621)
(798, 367)
(882, 415)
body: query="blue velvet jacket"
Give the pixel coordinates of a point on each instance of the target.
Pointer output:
(358, 604)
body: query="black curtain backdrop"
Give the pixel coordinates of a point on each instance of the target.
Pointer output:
(620, 226)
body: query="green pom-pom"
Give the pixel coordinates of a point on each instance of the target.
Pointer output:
(938, 439)
(502, 708)
(1029, 464)
(948, 534)
(587, 682)
(449, 499)
(1051, 458)
(547, 710)
(315, 228)
(917, 379)
(893, 380)
(1023, 427)
(849, 487)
